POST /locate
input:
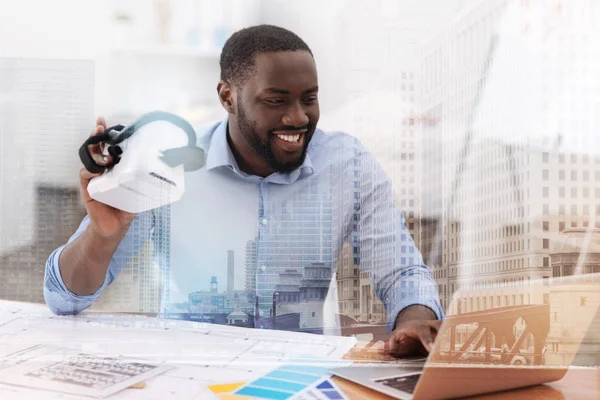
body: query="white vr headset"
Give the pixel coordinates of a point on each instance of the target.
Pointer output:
(147, 172)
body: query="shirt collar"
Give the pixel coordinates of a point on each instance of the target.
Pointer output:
(220, 155)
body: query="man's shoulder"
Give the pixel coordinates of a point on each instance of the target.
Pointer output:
(335, 142)
(205, 131)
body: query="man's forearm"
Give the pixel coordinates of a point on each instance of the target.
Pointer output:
(415, 312)
(83, 263)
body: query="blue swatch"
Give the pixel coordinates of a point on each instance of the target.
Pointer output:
(263, 393)
(329, 390)
(291, 376)
(325, 385)
(284, 382)
(278, 385)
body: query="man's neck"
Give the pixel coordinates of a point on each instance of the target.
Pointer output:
(244, 156)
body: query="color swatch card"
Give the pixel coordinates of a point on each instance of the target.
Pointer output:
(293, 381)
(284, 382)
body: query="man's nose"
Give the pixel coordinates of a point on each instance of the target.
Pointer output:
(295, 116)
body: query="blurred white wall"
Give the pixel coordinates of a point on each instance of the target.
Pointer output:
(45, 106)
(164, 54)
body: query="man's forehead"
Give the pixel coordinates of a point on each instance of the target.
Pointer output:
(292, 70)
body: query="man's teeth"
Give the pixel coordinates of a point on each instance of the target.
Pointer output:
(289, 138)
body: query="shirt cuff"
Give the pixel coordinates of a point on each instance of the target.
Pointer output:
(80, 299)
(404, 300)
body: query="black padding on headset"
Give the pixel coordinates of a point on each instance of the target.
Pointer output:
(86, 156)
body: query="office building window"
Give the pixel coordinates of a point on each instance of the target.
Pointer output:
(556, 270)
(573, 193)
(573, 158)
(546, 243)
(545, 174)
(573, 175)
(546, 209)
(546, 226)
(561, 192)
(546, 191)
(561, 226)
(586, 176)
(561, 174)
(567, 270)
(545, 157)
(546, 261)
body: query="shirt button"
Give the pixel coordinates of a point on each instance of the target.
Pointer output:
(263, 221)
(263, 268)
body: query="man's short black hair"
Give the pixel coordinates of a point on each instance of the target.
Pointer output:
(237, 56)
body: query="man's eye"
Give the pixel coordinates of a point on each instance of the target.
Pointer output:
(310, 99)
(274, 101)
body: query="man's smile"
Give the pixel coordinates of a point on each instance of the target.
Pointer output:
(290, 141)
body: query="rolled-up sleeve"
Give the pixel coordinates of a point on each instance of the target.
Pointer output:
(385, 248)
(60, 299)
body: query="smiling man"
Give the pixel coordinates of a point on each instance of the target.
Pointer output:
(268, 136)
(300, 204)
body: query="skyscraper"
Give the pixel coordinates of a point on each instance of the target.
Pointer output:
(250, 270)
(497, 183)
(38, 98)
(306, 218)
(230, 272)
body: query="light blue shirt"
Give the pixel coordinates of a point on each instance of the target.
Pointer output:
(235, 239)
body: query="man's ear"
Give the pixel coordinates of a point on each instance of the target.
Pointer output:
(225, 93)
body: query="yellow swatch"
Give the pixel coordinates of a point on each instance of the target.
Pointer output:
(226, 387)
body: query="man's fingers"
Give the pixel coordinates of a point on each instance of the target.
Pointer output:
(413, 337)
(85, 175)
(101, 159)
(392, 343)
(425, 336)
(435, 324)
(84, 181)
(101, 121)
(96, 150)
(98, 157)
(402, 341)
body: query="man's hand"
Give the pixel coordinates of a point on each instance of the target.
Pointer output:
(415, 330)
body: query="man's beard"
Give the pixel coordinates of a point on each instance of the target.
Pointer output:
(263, 147)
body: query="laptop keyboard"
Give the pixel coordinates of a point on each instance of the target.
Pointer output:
(405, 383)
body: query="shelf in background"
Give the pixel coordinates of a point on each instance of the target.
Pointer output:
(162, 50)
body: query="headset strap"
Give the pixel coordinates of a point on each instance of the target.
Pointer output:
(126, 133)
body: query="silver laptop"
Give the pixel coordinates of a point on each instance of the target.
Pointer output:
(496, 349)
